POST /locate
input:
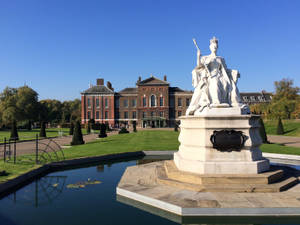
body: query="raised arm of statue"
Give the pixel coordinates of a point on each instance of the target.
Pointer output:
(199, 64)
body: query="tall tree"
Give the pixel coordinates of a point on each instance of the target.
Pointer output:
(27, 103)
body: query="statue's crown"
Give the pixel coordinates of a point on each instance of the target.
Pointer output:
(214, 40)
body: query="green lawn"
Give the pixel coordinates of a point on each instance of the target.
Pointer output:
(291, 127)
(142, 140)
(31, 134)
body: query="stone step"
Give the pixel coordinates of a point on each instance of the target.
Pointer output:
(263, 178)
(282, 185)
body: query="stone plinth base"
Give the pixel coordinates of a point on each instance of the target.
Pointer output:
(196, 152)
(161, 185)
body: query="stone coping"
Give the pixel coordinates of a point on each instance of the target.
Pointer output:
(246, 116)
(172, 208)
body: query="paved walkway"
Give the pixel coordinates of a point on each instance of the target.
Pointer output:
(28, 147)
(285, 140)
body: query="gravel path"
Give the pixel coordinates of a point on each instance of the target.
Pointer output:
(28, 147)
(285, 140)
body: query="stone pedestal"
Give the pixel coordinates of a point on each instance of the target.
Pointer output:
(197, 155)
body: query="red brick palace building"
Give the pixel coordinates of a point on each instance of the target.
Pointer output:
(151, 103)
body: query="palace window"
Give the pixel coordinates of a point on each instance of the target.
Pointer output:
(106, 115)
(97, 103)
(144, 101)
(125, 103)
(133, 102)
(161, 114)
(106, 103)
(252, 98)
(97, 115)
(125, 115)
(134, 115)
(152, 101)
(89, 115)
(179, 102)
(89, 103)
(179, 113)
(144, 114)
(152, 114)
(187, 102)
(161, 101)
(245, 98)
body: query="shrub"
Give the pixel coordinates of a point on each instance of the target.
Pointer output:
(71, 131)
(262, 131)
(280, 129)
(77, 136)
(176, 126)
(43, 130)
(88, 128)
(14, 132)
(123, 131)
(102, 131)
(134, 126)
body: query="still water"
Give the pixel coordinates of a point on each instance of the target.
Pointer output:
(58, 199)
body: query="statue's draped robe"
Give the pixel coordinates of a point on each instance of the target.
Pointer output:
(214, 85)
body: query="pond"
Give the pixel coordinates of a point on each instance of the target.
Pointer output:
(88, 196)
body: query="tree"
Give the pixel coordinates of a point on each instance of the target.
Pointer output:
(71, 128)
(77, 136)
(102, 131)
(280, 129)
(284, 101)
(262, 131)
(27, 104)
(8, 107)
(43, 130)
(14, 132)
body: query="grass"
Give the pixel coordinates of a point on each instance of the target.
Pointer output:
(142, 140)
(31, 134)
(291, 127)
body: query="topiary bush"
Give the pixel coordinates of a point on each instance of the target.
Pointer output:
(71, 131)
(134, 126)
(77, 136)
(262, 131)
(280, 129)
(43, 130)
(88, 128)
(14, 132)
(102, 131)
(123, 131)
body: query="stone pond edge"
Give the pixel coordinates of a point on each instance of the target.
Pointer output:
(15, 183)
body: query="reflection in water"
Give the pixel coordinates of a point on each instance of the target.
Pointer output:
(241, 220)
(43, 191)
(100, 168)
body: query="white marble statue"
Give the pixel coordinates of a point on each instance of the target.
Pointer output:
(215, 84)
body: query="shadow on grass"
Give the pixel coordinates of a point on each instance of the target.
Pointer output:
(288, 131)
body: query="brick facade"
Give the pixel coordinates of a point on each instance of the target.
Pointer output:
(152, 103)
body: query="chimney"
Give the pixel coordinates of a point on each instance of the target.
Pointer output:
(165, 77)
(100, 82)
(108, 84)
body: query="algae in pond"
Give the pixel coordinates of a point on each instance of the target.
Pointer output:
(81, 184)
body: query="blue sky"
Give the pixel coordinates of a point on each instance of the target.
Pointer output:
(58, 47)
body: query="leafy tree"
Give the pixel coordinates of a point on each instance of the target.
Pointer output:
(77, 136)
(43, 130)
(53, 110)
(284, 101)
(27, 104)
(14, 132)
(280, 129)
(9, 110)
